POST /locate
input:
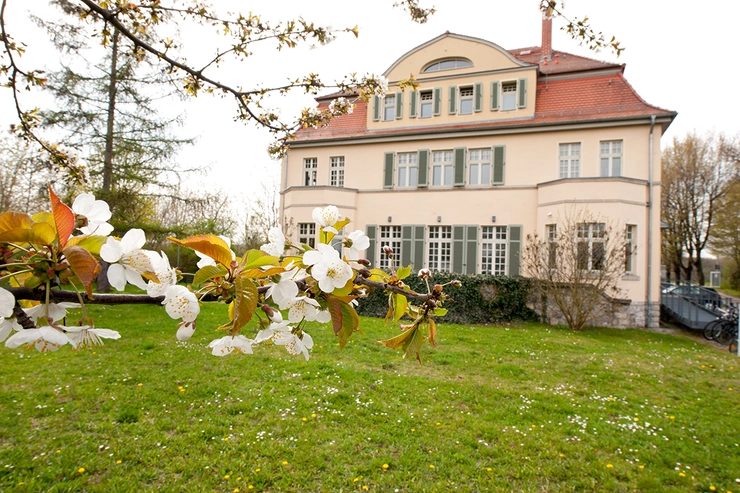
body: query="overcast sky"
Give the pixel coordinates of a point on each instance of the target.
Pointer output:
(678, 56)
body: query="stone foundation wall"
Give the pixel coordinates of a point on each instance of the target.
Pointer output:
(610, 312)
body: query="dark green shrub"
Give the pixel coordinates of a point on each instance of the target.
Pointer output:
(481, 299)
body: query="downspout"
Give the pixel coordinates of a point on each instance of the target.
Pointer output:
(283, 186)
(650, 225)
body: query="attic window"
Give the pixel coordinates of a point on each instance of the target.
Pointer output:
(525, 52)
(448, 65)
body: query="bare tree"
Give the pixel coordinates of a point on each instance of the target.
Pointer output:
(696, 176)
(24, 173)
(725, 239)
(581, 259)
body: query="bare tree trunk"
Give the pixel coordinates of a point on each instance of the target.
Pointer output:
(112, 90)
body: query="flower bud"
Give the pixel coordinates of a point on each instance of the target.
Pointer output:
(365, 273)
(363, 261)
(388, 251)
(425, 273)
(455, 283)
(437, 288)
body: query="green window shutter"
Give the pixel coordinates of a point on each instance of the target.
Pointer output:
(522, 90)
(478, 96)
(437, 101)
(371, 232)
(418, 257)
(499, 160)
(390, 158)
(423, 168)
(407, 241)
(399, 105)
(515, 247)
(494, 96)
(459, 167)
(471, 249)
(458, 247)
(453, 100)
(376, 108)
(412, 105)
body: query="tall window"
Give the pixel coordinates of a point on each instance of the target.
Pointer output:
(591, 248)
(610, 153)
(390, 236)
(508, 93)
(389, 107)
(426, 103)
(466, 100)
(440, 248)
(570, 160)
(310, 166)
(336, 177)
(630, 236)
(552, 245)
(479, 163)
(307, 234)
(442, 167)
(408, 169)
(493, 250)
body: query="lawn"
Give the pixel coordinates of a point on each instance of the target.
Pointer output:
(510, 408)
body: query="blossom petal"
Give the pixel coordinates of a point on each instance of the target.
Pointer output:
(134, 239)
(117, 276)
(185, 331)
(111, 251)
(7, 302)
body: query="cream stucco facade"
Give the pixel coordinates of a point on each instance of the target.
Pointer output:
(460, 188)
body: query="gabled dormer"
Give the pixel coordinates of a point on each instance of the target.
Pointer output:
(461, 80)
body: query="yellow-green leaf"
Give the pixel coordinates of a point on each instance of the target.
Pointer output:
(90, 243)
(210, 245)
(84, 265)
(258, 258)
(13, 220)
(207, 273)
(37, 234)
(400, 306)
(440, 312)
(344, 319)
(261, 274)
(245, 301)
(403, 272)
(410, 341)
(432, 332)
(400, 340)
(379, 275)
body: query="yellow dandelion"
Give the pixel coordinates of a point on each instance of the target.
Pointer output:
(671, 417)
(642, 467)
(257, 470)
(355, 480)
(438, 423)
(729, 388)
(81, 470)
(682, 474)
(227, 476)
(364, 487)
(118, 461)
(702, 366)
(489, 469)
(609, 466)
(313, 415)
(139, 384)
(226, 439)
(712, 488)
(431, 466)
(236, 490)
(304, 419)
(239, 478)
(285, 462)
(413, 430)
(385, 466)
(637, 419)
(562, 455)
(250, 487)
(59, 451)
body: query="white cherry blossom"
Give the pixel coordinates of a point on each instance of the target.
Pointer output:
(7, 302)
(302, 307)
(266, 334)
(45, 339)
(55, 311)
(166, 275)
(323, 316)
(7, 326)
(328, 269)
(357, 241)
(96, 212)
(276, 245)
(294, 344)
(180, 302)
(128, 260)
(186, 331)
(87, 336)
(326, 217)
(229, 344)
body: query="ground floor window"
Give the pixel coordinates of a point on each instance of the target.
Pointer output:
(493, 250)
(440, 248)
(390, 236)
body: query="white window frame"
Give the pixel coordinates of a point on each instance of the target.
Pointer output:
(439, 248)
(426, 100)
(610, 157)
(478, 160)
(336, 171)
(509, 96)
(466, 94)
(389, 236)
(307, 234)
(569, 159)
(494, 250)
(310, 171)
(407, 170)
(630, 241)
(389, 107)
(443, 168)
(592, 235)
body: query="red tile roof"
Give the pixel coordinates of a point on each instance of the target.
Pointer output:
(576, 99)
(561, 62)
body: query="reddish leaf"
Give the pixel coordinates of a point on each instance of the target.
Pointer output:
(84, 266)
(64, 218)
(245, 301)
(344, 319)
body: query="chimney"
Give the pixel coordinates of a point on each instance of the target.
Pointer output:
(547, 34)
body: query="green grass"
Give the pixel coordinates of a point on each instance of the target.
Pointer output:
(516, 408)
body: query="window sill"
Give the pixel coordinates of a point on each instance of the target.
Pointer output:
(630, 277)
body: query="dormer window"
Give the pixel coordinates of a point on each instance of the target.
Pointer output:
(448, 65)
(389, 107)
(508, 90)
(426, 102)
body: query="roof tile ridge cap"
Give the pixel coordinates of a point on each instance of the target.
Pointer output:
(629, 86)
(561, 52)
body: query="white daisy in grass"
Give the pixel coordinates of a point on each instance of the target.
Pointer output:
(231, 344)
(128, 261)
